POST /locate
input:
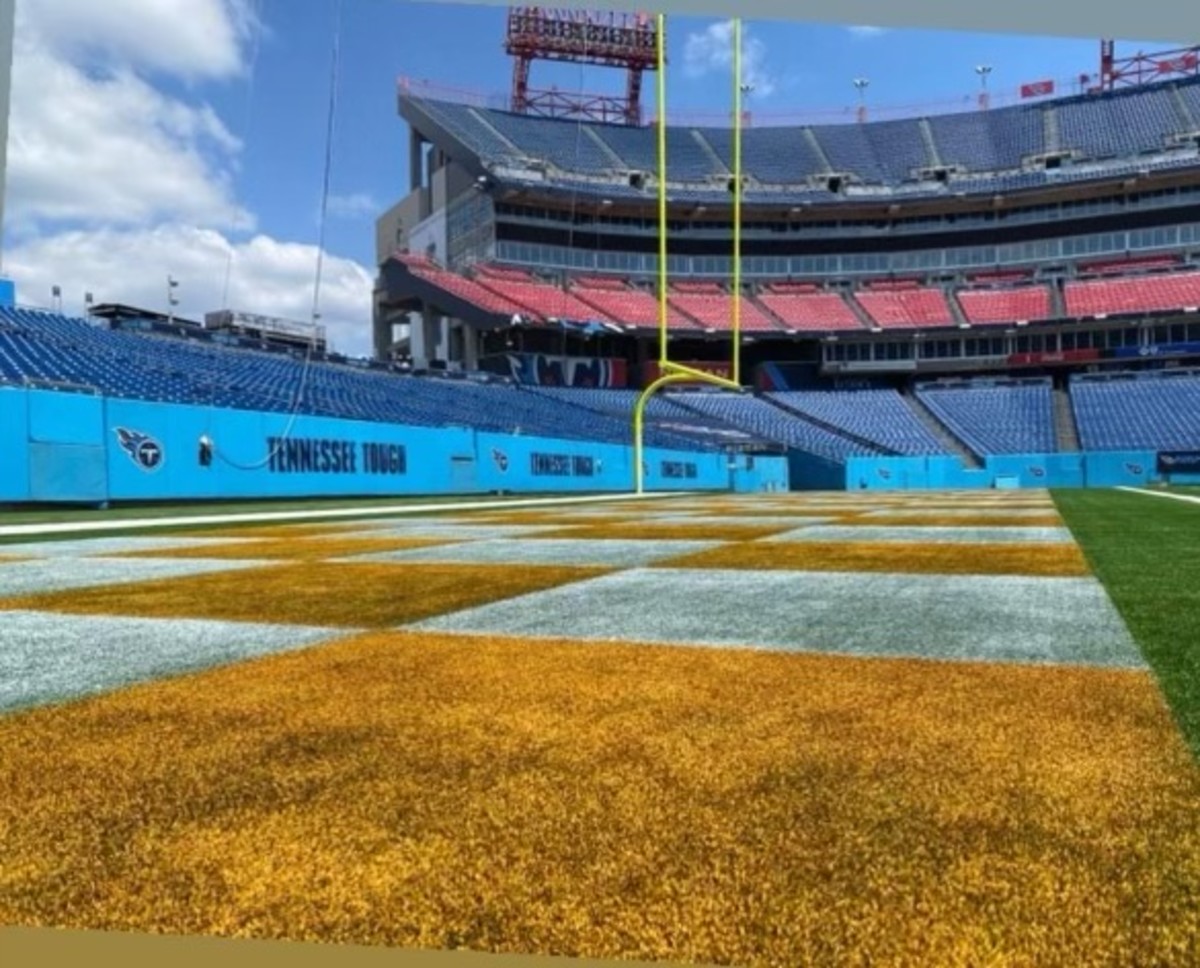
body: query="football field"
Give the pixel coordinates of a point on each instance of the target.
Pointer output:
(784, 729)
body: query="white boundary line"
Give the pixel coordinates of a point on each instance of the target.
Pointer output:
(1187, 498)
(132, 524)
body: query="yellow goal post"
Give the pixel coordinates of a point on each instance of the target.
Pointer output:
(670, 371)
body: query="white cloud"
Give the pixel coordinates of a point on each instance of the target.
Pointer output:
(196, 39)
(112, 149)
(114, 183)
(353, 206)
(131, 266)
(711, 50)
(866, 32)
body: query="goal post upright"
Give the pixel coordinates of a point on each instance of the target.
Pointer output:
(668, 371)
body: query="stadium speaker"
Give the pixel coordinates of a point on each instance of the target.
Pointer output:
(834, 184)
(731, 184)
(206, 451)
(637, 180)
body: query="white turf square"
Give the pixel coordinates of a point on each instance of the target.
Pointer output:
(548, 551)
(980, 618)
(932, 535)
(65, 574)
(46, 657)
(98, 547)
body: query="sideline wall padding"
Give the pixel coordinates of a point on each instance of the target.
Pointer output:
(61, 446)
(14, 445)
(1072, 470)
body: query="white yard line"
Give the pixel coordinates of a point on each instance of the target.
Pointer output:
(1187, 498)
(130, 524)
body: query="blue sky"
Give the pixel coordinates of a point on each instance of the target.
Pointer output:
(170, 136)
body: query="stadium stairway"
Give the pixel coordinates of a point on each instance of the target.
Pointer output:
(1186, 117)
(600, 143)
(952, 444)
(1058, 304)
(935, 156)
(861, 314)
(811, 137)
(718, 164)
(1053, 141)
(1065, 430)
(956, 309)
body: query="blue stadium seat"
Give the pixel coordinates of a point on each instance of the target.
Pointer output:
(1120, 124)
(760, 418)
(1005, 419)
(1149, 411)
(52, 350)
(879, 416)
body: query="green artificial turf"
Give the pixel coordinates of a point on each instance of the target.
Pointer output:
(1144, 550)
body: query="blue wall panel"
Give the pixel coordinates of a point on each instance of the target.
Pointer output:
(258, 455)
(66, 418)
(73, 473)
(14, 445)
(1132, 469)
(125, 450)
(752, 475)
(1039, 470)
(1029, 470)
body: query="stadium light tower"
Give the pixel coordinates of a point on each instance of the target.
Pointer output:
(983, 70)
(861, 84)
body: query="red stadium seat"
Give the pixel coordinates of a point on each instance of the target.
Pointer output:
(803, 308)
(548, 301)
(1141, 294)
(906, 306)
(714, 310)
(632, 307)
(993, 307)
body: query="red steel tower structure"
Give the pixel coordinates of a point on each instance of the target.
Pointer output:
(1144, 68)
(601, 38)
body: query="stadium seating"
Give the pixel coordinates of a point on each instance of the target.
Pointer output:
(899, 149)
(1135, 294)
(772, 155)
(1124, 266)
(541, 298)
(759, 417)
(1123, 126)
(1012, 419)
(906, 307)
(466, 289)
(631, 307)
(1119, 125)
(662, 411)
(805, 309)
(850, 150)
(686, 158)
(1150, 412)
(992, 307)
(714, 311)
(49, 350)
(562, 143)
(879, 416)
